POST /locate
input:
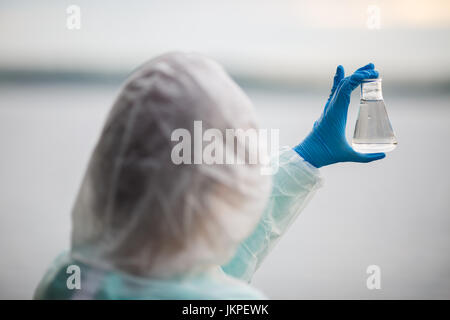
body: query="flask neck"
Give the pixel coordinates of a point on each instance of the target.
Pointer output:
(371, 89)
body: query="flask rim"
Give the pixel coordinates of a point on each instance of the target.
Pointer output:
(371, 80)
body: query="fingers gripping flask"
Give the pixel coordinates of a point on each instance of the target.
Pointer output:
(373, 130)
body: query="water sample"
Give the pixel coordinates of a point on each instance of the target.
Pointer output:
(373, 130)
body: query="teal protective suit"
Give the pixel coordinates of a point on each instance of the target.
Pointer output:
(293, 185)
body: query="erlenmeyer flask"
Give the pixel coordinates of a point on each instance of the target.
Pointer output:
(373, 130)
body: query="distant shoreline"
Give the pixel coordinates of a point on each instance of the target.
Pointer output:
(280, 84)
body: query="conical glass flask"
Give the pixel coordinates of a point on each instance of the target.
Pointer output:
(373, 130)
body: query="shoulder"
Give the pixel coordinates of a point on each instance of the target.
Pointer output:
(232, 288)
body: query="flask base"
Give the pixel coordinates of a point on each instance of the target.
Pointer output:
(373, 147)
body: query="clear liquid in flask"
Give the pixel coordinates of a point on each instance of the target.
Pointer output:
(373, 130)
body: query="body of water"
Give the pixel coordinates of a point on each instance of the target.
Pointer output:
(393, 213)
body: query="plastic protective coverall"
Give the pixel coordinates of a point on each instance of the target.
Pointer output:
(146, 228)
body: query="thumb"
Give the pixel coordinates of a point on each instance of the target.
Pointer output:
(367, 157)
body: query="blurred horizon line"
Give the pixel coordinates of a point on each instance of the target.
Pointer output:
(283, 83)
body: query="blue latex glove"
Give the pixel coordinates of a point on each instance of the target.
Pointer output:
(326, 144)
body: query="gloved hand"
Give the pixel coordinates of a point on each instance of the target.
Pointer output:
(326, 144)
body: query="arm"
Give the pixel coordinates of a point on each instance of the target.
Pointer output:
(293, 185)
(298, 177)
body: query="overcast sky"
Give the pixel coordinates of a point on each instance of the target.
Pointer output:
(284, 38)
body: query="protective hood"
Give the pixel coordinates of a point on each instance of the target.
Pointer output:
(141, 211)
